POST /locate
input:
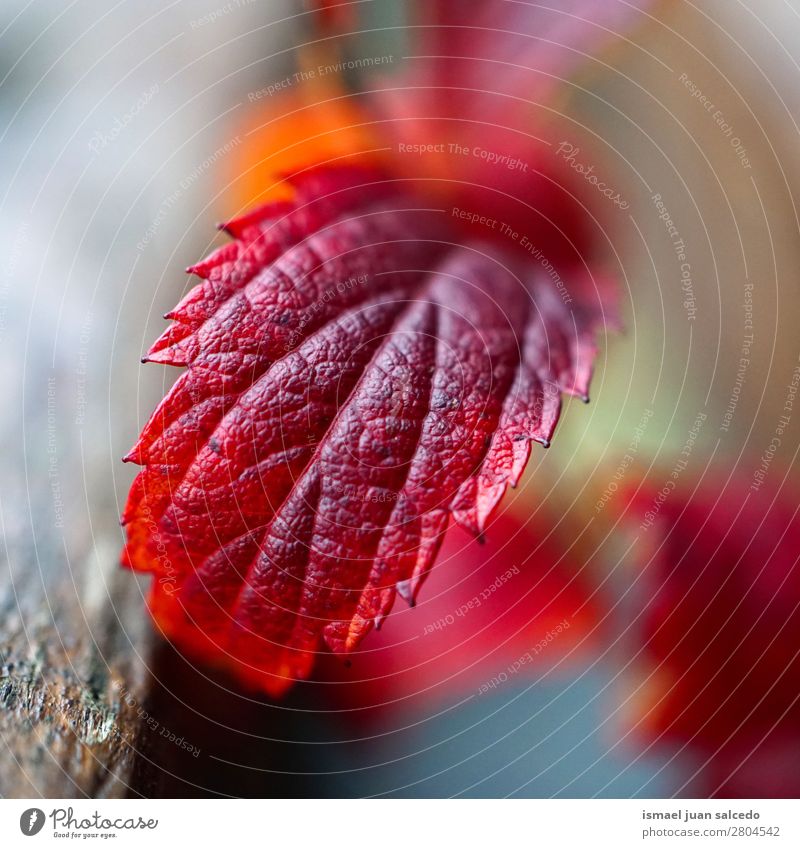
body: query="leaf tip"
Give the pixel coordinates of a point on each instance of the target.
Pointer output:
(407, 591)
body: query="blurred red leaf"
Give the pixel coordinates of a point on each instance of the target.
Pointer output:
(722, 632)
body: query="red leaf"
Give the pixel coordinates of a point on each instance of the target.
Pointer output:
(518, 48)
(357, 373)
(479, 103)
(721, 630)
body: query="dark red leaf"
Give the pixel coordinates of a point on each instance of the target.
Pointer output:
(357, 372)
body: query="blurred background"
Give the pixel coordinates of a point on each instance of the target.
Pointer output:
(640, 584)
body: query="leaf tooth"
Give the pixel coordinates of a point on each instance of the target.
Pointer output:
(240, 226)
(190, 304)
(201, 269)
(388, 595)
(549, 416)
(374, 605)
(483, 500)
(171, 336)
(584, 356)
(576, 383)
(173, 347)
(407, 589)
(217, 258)
(187, 393)
(434, 525)
(174, 355)
(134, 454)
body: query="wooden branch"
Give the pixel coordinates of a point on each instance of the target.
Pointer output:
(69, 680)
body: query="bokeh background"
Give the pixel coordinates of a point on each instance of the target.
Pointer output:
(127, 130)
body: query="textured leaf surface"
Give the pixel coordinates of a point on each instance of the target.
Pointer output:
(357, 373)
